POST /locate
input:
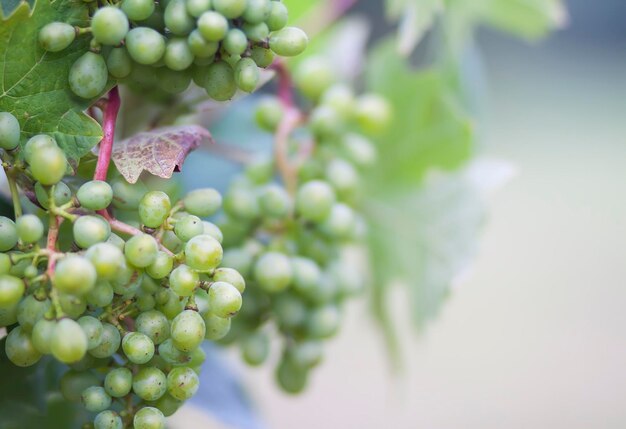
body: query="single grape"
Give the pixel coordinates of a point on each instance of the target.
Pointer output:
(224, 299)
(172, 355)
(74, 274)
(290, 311)
(323, 322)
(8, 316)
(29, 228)
(187, 331)
(172, 81)
(153, 324)
(275, 202)
(247, 74)
(178, 55)
(154, 208)
(56, 36)
(184, 280)
(109, 25)
(109, 342)
(145, 45)
(242, 203)
(200, 47)
(35, 143)
(314, 200)
(196, 8)
(288, 41)
(108, 420)
(68, 343)
(118, 382)
(257, 11)
(255, 349)
(326, 123)
(42, 334)
(161, 267)
(74, 382)
(95, 399)
(149, 418)
(138, 10)
(342, 176)
(262, 57)
(155, 21)
(138, 347)
(95, 195)
(107, 259)
(256, 32)
(314, 76)
(220, 82)
(291, 378)
(90, 230)
(373, 113)
(141, 250)
(92, 328)
(235, 42)
(149, 384)
(216, 327)
(20, 349)
(49, 164)
(306, 354)
(359, 150)
(231, 276)
(182, 383)
(171, 305)
(340, 223)
(278, 16)
(203, 253)
(73, 306)
(213, 230)
(30, 310)
(9, 131)
(231, 9)
(269, 113)
(213, 26)
(119, 63)
(167, 405)
(62, 194)
(273, 272)
(177, 20)
(127, 282)
(188, 227)
(306, 275)
(340, 97)
(203, 202)
(8, 234)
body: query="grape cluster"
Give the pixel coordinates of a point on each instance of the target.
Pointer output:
(294, 237)
(127, 312)
(219, 44)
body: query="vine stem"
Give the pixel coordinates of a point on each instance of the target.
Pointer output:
(108, 127)
(285, 84)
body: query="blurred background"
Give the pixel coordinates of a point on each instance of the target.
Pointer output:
(533, 333)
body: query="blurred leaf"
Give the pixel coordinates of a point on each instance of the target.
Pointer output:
(416, 18)
(298, 8)
(160, 151)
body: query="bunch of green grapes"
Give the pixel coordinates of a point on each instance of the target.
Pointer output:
(126, 312)
(219, 44)
(293, 224)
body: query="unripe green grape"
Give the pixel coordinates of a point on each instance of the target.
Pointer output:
(183, 280)
(182, 383)
(56, 36)
(30, 272)
(262, 57)
(257, 11)
(213, 26)
(8, 234)
(171, 355)
(48, 165)
(278, 16)
(8, 315)
(101, 295)
(92, 328)
(178, 55)
(187, 331)
(95, 399)
(138, 10)
(359, 150)
(288, 41)
(224, 299)
(107, 259)
(202, 202)
(167, 405)
(269, 113)
(275, 202)
(95, 195)
(199, 46)
(323, 322)
(203, 253)
(109, 25)
(231, 9)
(108, 420)
(230, 276)
(145, 301)
(341, 98)
(62, 194)
(247, 74)
(73, 383)
(153, 324)
(188, 227)
(154, 208)
(256, 32)
(326, 123)
(291, 378)
(73, 306)
(373, 113)
(220, 82)
(30, 310)
(88, 77)
(9, 131)
(242, 203)
(19, 348)
(306, 354)
(290, 311)
(342, 176)
(273, 272)
(138, 347)
(145, 76)
(68, 343)
(149, 384)
(314, 200)
(196, 8)
(127, 282)
(340, 223)
(213, 230)
(255, 348)
(74, 274)
(42, 334)
(161, 267)
(235, 42)
(35, 143)
(171, 306)
(119, 63)
(149, 418)
(90, 230)
(314, 76)
(109, 342)
(145, 45)
(126, 195)
(177, 20)
(118, 382)
(5, 263)
(155, 21)
(141, 250)
(29, 228)
(216, 327)
(306, 275)
(173, 82)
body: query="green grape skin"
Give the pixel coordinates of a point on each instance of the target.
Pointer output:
(278, 16)
(291, 378)
(187, 227)
(154, 208)
(203, 253)
(149, 418)
(342, 176)
(242, 203)
(90, 230)
(269, 113)
(200, 47)
(231, 60)
(314, 76)
(257, 11)
(290, 311)
(224, 299)
(171, 355)
(62, 194)
(220, 82)
(109, 342)
(288, 41)
(56, 36)
(359, 150)
(198, 72)
(138, 10)
(149, 384)
(153, 324)
(306, 354)
(213, 230)
(216, 327)
(145, 45)
(247, 74)
(87, 77)
(262, 57)
(19, 348)
(203, 202)
(95, 399)
(145, 302)
(119, 63)
(340, 98)
(177, 20)
(231, 9)
(171, 306)
(373, 113)
(141, 250)
(73, 306)
(178, 55)
(107, 259)
(9, 131)
(260, 171)
(41, 335)
(68, 343)
(127, 282)
(74, 274)
(95, 195)
(187, 331)
(8, 234)
(30, 310)
(182, 383)
(118, 382)
(109, 25)
(323, 322)
(340, 223)
(161, 267)
(275, 202)
(29, 228)
(172, 81)
(73, 383)
(273, 272)
(240, 260)
(92, 328)
(138, 347)
(212, 26)
(196, 8)
(306, 275)
(108, 420)
(256, 32)
(48, 165)
(255, 349)
(314, 200)
(8, 315)
(35, 143)
(5, 263)
(155, 21)
(184, 280)
(326, 123)
(235, 42)
(127, 196)
(167, 405)
(230, 276)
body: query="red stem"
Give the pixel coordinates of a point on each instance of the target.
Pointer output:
(108, 127)
(53, 235)
(285, 84)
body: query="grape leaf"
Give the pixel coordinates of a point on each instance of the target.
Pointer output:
(33, 83)
(160, 151)
(416, 18)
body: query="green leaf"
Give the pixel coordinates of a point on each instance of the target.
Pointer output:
(416, 18)
(34, 84)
